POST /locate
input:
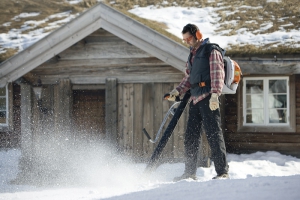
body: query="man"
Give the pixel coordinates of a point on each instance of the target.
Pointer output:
(204, 77)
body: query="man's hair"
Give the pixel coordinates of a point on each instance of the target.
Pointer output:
(191, 28)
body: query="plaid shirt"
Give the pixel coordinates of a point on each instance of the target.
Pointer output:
(217, 76)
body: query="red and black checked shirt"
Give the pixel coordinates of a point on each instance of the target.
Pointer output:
(217, 76)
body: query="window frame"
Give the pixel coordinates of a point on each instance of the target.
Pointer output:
(8, 125)
(268, 127)
(6, 106)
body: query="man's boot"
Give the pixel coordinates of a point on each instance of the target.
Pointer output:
(221, 176)
(185, 176)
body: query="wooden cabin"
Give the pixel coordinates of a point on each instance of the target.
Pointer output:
(264, 115)
(103, 76)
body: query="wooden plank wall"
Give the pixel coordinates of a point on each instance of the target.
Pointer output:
(103, 55)
(142, 106)
(248, 142)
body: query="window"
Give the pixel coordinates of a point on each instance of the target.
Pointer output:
(266, 104)
(266, 101)
(3, 106)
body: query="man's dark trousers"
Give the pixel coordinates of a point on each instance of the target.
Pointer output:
(200, 115)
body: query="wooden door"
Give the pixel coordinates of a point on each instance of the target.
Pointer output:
(89, 114)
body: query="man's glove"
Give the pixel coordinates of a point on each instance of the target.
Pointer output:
(214, 101)
(173, 94)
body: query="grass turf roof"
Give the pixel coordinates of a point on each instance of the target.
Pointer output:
(260, 10)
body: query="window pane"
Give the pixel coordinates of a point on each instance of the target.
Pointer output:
(2, 117)
(254, 86)
(277, 116)
(2, 91)
(255, 116)
(255, 101)
(2, 104)
(277, 101)
(277, 86)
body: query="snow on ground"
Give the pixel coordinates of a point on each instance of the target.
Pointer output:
(268, 175)
(260, 175)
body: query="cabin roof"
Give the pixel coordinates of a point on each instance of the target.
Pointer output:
(135, 33)
(99, 16)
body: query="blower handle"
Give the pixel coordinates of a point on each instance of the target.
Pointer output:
(166, 96)
(146, 133)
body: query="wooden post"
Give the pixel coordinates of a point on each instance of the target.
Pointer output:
(148, 117)
(26, 161)
(63, 103)
(138, 120)
(128, 110)
(111, 115)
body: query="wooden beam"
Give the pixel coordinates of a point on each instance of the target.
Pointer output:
(138, 120)
(111, 71)
(148, 117)
(63, 105)
(89, 87)
(120, 117)
(26, 129)
(103, 63)
(128, 111)
(99, 79)
(111, 110)
(105, 50)
(267, 67)
(10, 107)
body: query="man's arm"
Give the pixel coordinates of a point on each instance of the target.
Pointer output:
(217, 74)
(185, 84)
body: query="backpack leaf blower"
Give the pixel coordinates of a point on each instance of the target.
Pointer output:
(154, 160)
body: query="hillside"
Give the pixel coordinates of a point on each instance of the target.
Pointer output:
(24, 22)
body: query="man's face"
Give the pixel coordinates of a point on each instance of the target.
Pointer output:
(189, 39)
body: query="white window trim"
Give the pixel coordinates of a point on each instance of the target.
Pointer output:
(290, 127)
(265, 94)
(7, 108)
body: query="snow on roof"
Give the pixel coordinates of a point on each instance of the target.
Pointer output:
(208, 22)
(175, 17)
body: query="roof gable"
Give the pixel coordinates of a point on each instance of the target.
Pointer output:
(100, 16)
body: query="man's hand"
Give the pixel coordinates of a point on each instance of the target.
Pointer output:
(173, 94)
(214, 101)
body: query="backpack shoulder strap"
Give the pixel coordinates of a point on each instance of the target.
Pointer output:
(212, 46)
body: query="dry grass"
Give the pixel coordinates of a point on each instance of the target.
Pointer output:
(247, 50)
(249, 15)
(282, 13)
(278, 14)
(157, 26)
(11, 8)
(9, 53)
